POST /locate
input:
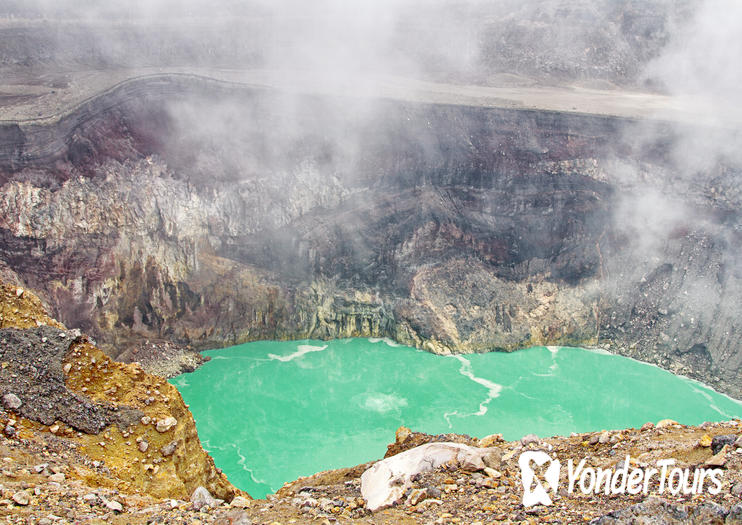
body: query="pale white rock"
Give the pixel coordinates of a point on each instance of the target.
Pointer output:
(490, 440)
(57, 478)
(12, 401)
(385, 482)
(240, 502)
(114, 506)
(163, 425)
(202, 498)
(21, 498)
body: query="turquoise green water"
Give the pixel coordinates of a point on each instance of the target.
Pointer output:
(270, 412)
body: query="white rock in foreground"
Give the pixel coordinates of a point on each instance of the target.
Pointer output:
(386, 481)
(163, 425)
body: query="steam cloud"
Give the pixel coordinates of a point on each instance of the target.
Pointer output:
(686, 49)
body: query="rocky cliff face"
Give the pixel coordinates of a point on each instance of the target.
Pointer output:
(182, 210)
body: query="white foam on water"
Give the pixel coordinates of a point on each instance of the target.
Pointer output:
(693, 384)
(380, 402)
(553, 349)
(384, 340)
(218, 357)
(301, 350)
(243, 463)
(447, 417)
(493, 389)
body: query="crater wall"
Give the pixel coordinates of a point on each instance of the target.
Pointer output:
(186, 211)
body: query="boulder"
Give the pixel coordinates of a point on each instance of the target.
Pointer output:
(21, 498)
(719, 441)
(240, 502)
(202, 498)
(114, 506)
(490, 440)
(12, 401)
(386, 482)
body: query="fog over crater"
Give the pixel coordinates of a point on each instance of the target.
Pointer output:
(458, 176)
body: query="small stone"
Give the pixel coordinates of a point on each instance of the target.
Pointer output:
(236, 517)
(493, 459)
(143, 446)
(58, 478)
(738, 442)
(664, 423)
(720, 441)
(490, 440)
(41, 467)
(9, 430)
(240, 502)
(416, 496)
(529, 439)
(12, 401)
(54, 428)
(19, 292)
(21, 498)
(114, 506)
(169, 449)
(163, 425)
(604, 437)
(737, 489)
(719, 459)
(494, 474)
(402, 434)
(202, 498)
(705, 441)
(434, 492)
(66, 368)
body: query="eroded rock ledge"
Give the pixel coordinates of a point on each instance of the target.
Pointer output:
(202, 214)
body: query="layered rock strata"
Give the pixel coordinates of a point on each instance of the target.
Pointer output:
(179, 210)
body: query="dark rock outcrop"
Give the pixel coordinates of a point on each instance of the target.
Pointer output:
(33, 369)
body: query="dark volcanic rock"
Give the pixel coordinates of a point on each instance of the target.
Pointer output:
(32, 370)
